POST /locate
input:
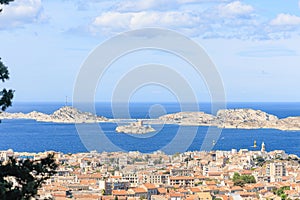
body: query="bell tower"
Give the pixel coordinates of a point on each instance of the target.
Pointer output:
(263, 147)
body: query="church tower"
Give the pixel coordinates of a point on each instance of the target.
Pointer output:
(263, 147)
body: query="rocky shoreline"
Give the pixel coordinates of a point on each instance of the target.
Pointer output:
(229, 118)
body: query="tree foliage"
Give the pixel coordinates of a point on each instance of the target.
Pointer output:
(5, 95)
(4, 2)
(281, 192)
(241, 180)
(260, 161)
(21, 179)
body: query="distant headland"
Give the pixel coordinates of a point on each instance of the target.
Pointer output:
(229, 118)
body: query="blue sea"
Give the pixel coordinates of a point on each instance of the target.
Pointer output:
(32, 136)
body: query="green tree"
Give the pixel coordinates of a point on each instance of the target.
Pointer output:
(4, 2)
(283, 196)
(280, 192)
(248, 179)
(21, 179)
(241, 180)
(5, 95)
(260, 161)
(236, 176)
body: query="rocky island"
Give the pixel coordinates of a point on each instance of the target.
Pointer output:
(65, 114)
(135, 128)
(233, 118)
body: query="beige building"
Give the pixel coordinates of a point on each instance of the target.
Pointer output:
(276, 171)
(186, 181)
(156, 178)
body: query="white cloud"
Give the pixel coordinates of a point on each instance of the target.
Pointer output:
(116, 21)
(20, 12)
(159, 5)
(201, 1)
(235, 8)
(142, 5)
(285, 19)
(219, 19)
(191, 22)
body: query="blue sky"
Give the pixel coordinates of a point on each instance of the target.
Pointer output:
(254, 45)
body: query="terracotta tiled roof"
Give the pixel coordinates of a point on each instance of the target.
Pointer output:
(246, 172)
(149, 186)
(210, 182)
(181, 190)
(236, 188)
(247, 194)
(110, 197)
(214, 173)
(116, 177)
(139, 190)
(162, 190)
(119, 192)
(176, 194)
(258, 185)
(263, 191)
(88, 181)
(195, 189)
(192, 197)
(212, 187)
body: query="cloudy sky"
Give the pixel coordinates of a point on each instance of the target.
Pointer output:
(255, 45)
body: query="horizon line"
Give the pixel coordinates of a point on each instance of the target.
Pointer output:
(130, 102)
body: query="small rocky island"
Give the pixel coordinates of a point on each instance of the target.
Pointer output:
(135, 128)
(65, 114)
(234, 118)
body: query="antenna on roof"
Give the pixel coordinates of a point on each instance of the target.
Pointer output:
(66, 100)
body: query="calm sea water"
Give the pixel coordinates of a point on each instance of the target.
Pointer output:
(31, 136)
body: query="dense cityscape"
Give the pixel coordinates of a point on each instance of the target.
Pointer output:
(198, 175)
